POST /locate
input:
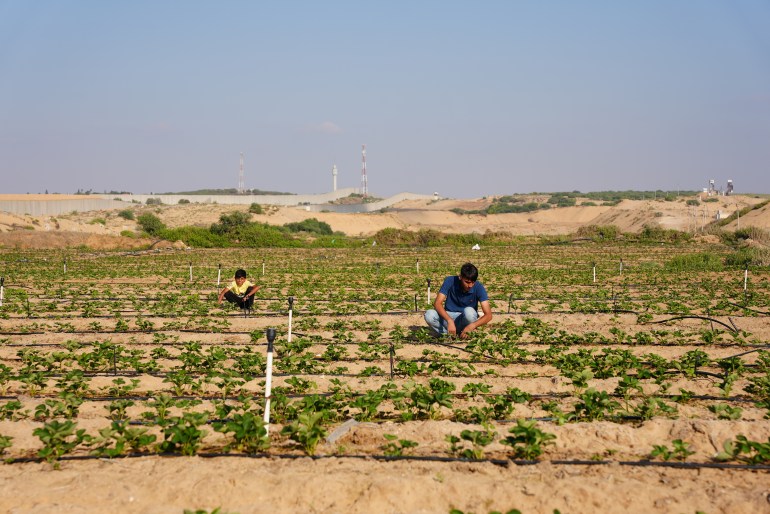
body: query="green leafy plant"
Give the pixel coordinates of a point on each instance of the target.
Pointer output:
(307, 430)
(59, 438)
(527, 441)
(396, 447)
(681, 450)
(249, 433)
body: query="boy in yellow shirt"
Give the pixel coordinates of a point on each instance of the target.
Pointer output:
(240, 291)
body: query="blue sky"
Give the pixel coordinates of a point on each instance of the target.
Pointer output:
(464, 98)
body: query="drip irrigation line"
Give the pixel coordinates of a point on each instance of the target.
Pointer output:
(415, 458)
(748, 308)
(692, 316)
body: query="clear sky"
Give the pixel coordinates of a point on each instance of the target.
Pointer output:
(460, 97)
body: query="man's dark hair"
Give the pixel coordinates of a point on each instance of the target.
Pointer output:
(469, 271)
(241, 273)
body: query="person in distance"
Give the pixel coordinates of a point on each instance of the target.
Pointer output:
(240, 291)
(455, 310)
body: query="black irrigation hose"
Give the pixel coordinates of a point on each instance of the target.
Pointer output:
(732, 329)
(748, 309)
(419, 458)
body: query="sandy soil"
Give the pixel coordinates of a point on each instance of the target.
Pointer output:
(102, 229)
(335, 483)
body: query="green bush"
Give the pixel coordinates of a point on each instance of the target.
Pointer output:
(255, 208)
(692, 201)
(126, 214)
(705, 261)
(196, 237)
(230, 223)
(183, 201)
(154, 201)
(311, 225)
(150, 223)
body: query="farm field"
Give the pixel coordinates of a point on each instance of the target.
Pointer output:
(613, 378)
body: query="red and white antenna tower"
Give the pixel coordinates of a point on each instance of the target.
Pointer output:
(364, 186)
(241, 188)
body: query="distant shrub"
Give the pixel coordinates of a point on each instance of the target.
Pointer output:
(100, 221)
(705, 261)
(230, 223)
(154, 201)
(197, 237)
(255, 208)
(183, 201)
(151, 224)
(310, 225)
(599, 232)
(657, 234)
(710, 199)
(127, 233)
(126, 214)
(692, 201)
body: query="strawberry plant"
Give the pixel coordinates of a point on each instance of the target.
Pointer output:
(527, 441)
(248, 431)
(59, 438)
(681, 450)
(396, 447)
(306, 430)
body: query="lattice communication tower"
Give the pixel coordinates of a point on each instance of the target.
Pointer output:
(241, 188)
(364, 185)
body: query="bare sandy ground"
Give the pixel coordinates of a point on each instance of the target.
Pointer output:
(102, 229)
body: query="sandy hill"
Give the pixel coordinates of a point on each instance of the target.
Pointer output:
(102, 229)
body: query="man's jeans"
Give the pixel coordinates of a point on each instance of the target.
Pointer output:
(462, 320)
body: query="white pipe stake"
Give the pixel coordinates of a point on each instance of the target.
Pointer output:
(269, 377)
(219, 275)
(263, 267)
(2, 291)
(291, 310)
(594, 273)
(745, 280)
(418, 265)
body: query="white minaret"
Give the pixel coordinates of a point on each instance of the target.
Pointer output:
(334, 177)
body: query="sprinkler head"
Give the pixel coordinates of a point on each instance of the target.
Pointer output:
(428, 282)
(2, 281)
(270, 332)
(291, 302)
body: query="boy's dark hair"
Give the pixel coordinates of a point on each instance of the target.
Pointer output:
(469, 272)
(241, 273)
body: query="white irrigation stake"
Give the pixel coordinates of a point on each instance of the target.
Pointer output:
(2, 287)
(418, 265)
(621, 266)
(219, 275)
(263, 268)
(745, 280)
(191, 271)
(428, 291)
(291, 310)
(594, 272)
(65, 265)
(269, 377)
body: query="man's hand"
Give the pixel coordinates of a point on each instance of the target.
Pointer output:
(451, 328)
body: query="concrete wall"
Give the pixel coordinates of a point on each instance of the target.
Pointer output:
(244, 199)
(367, 207)
(57, 207)
(311, 203)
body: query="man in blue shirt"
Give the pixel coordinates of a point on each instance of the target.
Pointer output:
(455, 311)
